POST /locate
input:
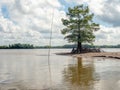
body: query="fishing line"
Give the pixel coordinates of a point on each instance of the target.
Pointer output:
(51, 28)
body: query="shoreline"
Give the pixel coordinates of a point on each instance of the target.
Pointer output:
(115, 55)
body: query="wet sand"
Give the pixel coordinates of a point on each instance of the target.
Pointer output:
(101, 54)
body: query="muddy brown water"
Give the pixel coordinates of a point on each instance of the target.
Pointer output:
(30, 70)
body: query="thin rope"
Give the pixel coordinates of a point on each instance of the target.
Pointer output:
(50, 50)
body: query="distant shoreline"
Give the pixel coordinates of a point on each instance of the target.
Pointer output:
(31, 46)
(36, 48)
(50, 48)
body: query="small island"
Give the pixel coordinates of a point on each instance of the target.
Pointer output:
(79, 28)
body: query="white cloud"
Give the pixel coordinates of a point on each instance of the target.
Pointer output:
(30, 21)
(108, 35)
(107, 11)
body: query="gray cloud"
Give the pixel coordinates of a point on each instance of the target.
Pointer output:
(106, 10)
(111, 12)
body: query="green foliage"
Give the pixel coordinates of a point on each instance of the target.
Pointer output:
(79, 26)
(18, 46)
(3, 47)
(48, 46)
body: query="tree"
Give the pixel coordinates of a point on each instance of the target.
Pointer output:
(79, 26)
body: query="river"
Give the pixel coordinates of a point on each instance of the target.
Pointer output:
(30, 69)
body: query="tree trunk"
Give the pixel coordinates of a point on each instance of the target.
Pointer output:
(79, 47)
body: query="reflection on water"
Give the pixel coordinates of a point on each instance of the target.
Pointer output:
(29, 70)
(79, 75)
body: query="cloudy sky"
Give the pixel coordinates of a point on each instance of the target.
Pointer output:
(29, 21)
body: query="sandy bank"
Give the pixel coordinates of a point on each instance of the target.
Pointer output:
(101, 54)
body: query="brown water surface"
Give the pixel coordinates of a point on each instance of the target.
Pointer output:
(30, 70)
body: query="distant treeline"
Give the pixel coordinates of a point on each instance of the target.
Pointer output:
(18, 46)
(30, 46)
(93, 46)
